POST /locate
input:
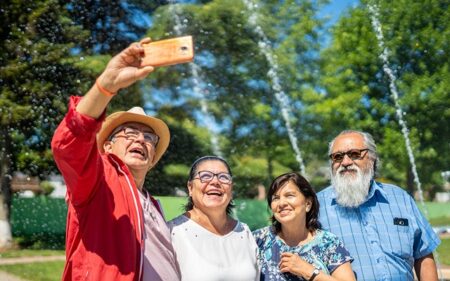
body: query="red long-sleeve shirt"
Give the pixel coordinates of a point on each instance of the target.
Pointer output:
(104, 220)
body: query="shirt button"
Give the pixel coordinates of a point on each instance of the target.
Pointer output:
(365, 223)
(378, 260)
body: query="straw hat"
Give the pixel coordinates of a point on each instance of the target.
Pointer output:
(135, 114)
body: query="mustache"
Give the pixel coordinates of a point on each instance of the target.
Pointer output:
(352, 167)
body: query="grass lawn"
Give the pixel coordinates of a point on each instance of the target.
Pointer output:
(436, 209)
(252, 212)
(51, 271)
(40, 271)
(438, 221)
(31, 253)
(444, 251)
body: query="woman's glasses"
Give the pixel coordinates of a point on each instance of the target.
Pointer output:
(207, 176)
(354, 154)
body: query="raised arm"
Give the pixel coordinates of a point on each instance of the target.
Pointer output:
(122, 71)
(74, 142)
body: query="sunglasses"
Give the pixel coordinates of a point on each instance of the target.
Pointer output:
(354, 154)
(207, 176)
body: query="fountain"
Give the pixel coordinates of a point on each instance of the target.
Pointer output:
(281, 97)
(199, 88)
(384, 57)
(195, 70)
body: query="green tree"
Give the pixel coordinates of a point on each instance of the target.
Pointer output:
(34, 81)
(50, 50)
(234, 72)
(357, 91)
(112, 25)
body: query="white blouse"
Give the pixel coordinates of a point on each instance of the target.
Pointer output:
(203, 255)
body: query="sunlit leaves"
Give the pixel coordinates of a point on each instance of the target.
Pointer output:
(357, 93)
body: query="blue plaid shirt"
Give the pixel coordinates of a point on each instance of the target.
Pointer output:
(385, 235)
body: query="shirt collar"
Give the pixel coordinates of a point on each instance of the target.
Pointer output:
(375, 188)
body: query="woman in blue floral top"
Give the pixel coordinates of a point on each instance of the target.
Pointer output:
(294, 247)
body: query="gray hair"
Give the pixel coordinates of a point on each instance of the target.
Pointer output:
(369, 143)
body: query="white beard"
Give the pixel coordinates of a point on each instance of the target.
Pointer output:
(351, 189)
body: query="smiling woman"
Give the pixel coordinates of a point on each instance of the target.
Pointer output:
(209, 243)
(294, 247)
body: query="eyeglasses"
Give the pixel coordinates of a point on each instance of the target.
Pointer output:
(133, 134)
(354, 154)
(207, 176)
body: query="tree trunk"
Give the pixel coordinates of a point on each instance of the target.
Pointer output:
(5, 190)
(5, 227)
(268, 129)
(410, 181)
(269, 171)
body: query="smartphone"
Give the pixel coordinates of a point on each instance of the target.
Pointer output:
(168, 52)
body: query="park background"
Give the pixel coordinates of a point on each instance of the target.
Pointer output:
(271, 84)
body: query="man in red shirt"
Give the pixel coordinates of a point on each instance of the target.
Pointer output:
(115, 230)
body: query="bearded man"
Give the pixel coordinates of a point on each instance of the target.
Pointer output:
(379, 223)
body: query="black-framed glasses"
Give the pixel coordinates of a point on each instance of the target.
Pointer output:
(354, 154)
(133, 134)
(207, 176)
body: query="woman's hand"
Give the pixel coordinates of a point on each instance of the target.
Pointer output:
(294, 264)
(125, 68)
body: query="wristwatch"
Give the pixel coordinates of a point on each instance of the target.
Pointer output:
(315, 272)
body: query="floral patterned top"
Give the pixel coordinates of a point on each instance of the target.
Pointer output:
(326, 252)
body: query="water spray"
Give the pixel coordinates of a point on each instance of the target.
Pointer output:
(280, 95)
(209, 119)
(384, 57)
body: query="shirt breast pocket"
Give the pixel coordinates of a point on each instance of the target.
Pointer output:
(399, 242)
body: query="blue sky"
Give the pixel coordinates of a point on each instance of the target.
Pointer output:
(333, 11)
(336, 7)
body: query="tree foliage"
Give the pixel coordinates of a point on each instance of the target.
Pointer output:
(57, 48)
(357, 90)
(112, 25)
(233, 75)
(42, 61)
(34, 81)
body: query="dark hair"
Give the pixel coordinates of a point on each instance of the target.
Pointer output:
(192, 173)
(312, 217)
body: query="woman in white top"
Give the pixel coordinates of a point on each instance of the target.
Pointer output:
(209, 244)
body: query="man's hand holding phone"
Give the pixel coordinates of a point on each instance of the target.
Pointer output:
(168, 52)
